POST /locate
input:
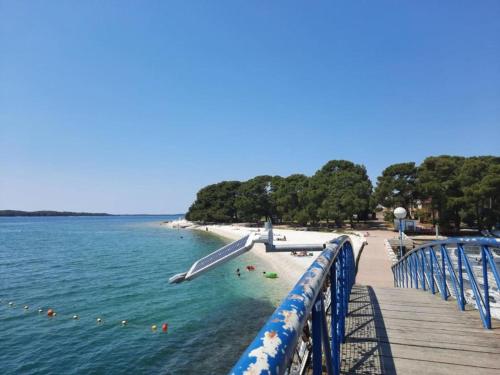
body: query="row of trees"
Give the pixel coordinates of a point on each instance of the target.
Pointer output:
(339, 191)
(448, 190)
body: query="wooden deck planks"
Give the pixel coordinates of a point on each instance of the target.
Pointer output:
(409, 331)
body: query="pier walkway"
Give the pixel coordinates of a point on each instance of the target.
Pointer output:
(409, 331)
(416, 316)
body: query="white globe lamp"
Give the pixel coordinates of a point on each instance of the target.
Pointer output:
(400, 214)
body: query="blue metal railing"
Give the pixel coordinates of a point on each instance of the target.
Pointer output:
(323, 289)
(444, 266)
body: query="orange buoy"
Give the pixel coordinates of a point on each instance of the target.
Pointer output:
(164, 327)
(50, 312)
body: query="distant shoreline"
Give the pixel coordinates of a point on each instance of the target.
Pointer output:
(49, 213)
(18, 213)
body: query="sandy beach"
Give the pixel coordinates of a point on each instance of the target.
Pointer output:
(290, 267)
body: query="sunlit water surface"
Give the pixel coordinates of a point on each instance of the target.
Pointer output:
(116, 268)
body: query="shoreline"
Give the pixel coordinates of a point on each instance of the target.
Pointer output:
(289, 268)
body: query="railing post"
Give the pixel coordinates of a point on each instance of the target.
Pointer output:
(493, 266)
(443, 275)
(394, 273)
(408, 279)
(410, 271)
(326, 341)
(316, 337)
(461, 297)
(415, 256)
(343, 296)
(334, 319)
(486, 288)
(431, 265)
(400, 274)
(423, 269)
(412, 268)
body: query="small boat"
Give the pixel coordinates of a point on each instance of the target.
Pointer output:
(271, 275)
(250, 268)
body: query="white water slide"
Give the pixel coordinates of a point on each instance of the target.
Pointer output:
(237, 248)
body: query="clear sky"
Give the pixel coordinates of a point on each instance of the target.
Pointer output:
(132, 106)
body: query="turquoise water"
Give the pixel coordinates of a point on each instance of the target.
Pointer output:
(117, 268)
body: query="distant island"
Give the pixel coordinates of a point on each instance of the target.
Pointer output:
(48, 213)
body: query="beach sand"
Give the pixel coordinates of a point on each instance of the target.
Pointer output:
(290, 268)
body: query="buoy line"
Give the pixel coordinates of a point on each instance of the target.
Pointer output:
(51, 313)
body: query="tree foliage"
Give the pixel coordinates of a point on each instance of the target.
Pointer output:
(337, 192)
(253, 199)
(288, 196)
(456, 189)
(396, 186)
(216, 203)
(341, 191)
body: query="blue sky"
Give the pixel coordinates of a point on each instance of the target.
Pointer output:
(132, 106)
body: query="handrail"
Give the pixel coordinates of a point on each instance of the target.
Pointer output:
(430, 266)
(274, 348)
(488, 241)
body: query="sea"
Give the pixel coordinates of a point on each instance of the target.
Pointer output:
(116, 269)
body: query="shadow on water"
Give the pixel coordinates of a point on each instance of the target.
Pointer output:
(212, 345)
(367, 350)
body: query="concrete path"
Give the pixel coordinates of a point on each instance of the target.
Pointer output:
(374, 265)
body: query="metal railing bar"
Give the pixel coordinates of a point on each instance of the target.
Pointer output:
(486, 289)
(479, 241)
(326, 342)
(474, 286)
(317, 358)
(493, 266)
(460, 277)
(453, 277)
(273, 350)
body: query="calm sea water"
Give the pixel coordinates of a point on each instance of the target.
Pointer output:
(117, 268)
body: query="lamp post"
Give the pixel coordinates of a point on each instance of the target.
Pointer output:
(400, 214)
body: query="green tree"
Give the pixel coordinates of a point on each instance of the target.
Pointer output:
(254, 199)
(397, 186)
(286, 196)
(438, 181)
(215, 203)
(480, 184)
(341, 190)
